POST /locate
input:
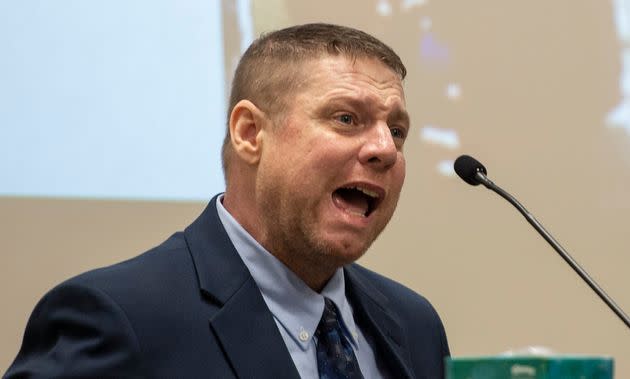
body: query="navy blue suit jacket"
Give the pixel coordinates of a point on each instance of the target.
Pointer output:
(189, 308)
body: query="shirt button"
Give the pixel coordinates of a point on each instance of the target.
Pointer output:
(303, 335)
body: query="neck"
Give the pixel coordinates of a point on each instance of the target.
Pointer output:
(314, 273)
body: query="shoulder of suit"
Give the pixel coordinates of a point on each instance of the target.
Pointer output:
(153, 270)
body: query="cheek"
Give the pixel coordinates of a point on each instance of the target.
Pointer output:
(322, 158)
(400, 170)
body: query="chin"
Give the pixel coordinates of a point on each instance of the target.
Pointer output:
(346, 253)
(339, 247)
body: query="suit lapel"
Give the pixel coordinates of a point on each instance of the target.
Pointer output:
(250, 337)
(243, 325)
(370, 307)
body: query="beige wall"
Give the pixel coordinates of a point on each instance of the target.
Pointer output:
(537, 79)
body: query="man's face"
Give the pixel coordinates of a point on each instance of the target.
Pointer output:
(331, 171)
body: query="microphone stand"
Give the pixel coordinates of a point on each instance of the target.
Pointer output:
(483, 179)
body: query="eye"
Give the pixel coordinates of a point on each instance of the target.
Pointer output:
(346, 118)
(398, 132)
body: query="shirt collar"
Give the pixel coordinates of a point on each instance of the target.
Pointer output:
(294, 305)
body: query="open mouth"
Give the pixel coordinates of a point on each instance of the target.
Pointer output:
(356, 200)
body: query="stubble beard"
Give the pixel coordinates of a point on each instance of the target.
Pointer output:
(291, 235)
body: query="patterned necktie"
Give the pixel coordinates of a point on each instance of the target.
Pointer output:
(335, 358)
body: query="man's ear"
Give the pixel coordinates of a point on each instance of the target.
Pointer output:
(247, 124)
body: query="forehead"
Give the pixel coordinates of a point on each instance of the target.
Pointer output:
(331, 76)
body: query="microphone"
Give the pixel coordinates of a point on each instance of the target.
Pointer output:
(467, 168)
(474, 173)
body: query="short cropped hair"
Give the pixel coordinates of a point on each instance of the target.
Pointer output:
(268, 71)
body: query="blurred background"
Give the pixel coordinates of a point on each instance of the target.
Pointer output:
(112, 114)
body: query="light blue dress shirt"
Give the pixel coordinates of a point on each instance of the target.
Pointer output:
(296, 308)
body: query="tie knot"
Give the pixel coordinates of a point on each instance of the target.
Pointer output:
(330, 317)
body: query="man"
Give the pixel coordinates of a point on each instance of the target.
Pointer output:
(263, 284)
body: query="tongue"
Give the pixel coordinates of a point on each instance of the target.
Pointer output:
(351, 202)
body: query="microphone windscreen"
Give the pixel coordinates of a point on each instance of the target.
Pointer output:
(467, 168)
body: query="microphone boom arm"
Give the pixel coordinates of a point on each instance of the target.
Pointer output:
(483, 179)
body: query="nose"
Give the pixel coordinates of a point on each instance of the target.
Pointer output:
(379, 149)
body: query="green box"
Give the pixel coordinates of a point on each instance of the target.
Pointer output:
(529, 367)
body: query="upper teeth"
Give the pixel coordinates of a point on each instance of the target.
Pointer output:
(367, 192)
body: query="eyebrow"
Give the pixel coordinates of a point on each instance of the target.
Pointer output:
(397, 114)
(400, 115)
